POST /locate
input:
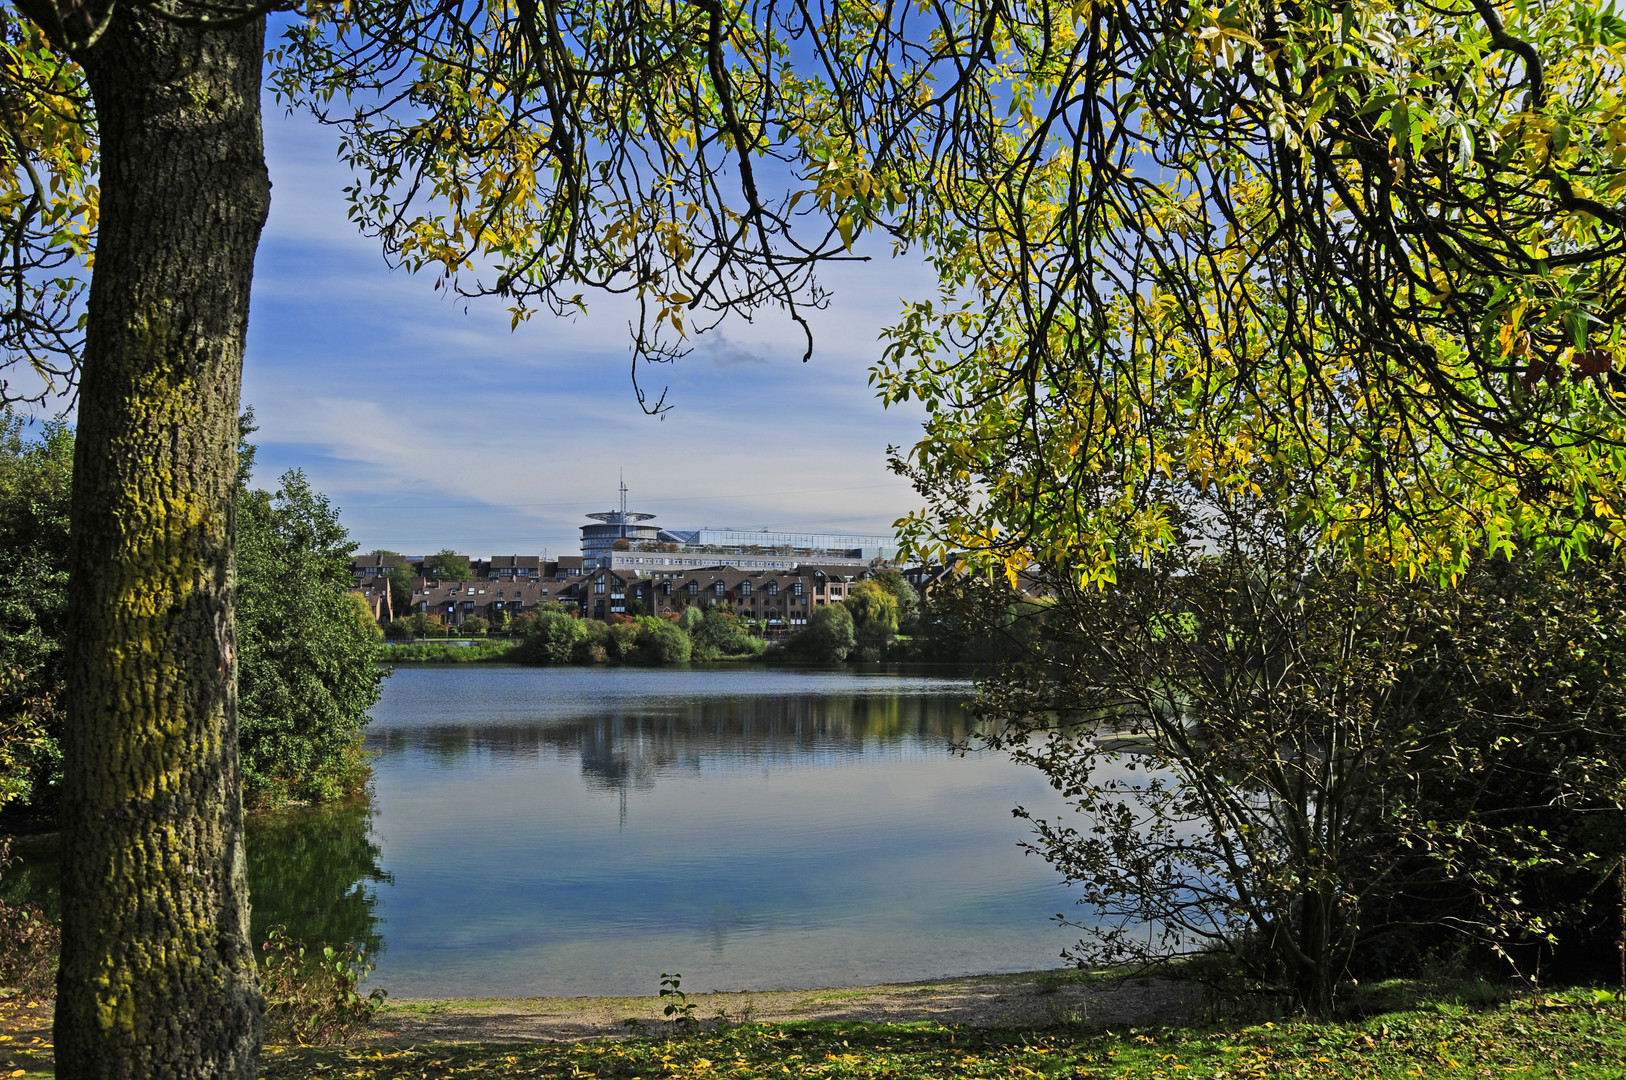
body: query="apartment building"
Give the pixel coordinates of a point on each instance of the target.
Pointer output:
(503, 586)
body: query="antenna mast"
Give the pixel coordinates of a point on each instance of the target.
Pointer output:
(623, 494)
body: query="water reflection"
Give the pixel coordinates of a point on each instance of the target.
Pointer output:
(632, 749)
(312, 870)
(316, 871)
(578, 831)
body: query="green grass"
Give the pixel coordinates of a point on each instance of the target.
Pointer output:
(1567, 1036)
(443, 652)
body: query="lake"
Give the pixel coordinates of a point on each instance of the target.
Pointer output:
(565, 831)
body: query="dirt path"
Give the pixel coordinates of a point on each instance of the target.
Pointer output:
(1028, 998)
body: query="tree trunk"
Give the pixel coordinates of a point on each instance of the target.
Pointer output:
(157, 975)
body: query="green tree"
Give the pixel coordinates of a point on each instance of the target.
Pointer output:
(552, 638)
(717, 632)
(448, 565)
(828, 636)
(308, 650)
(874, 611)
(36, 477)
(662, 642)
(907, 596)
(1280, 758)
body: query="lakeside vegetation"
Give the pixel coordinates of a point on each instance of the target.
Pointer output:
(1563, 1037)
(882, 618)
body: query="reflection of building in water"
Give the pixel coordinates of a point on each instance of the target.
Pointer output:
(634, 750)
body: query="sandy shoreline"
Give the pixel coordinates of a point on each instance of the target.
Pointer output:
(1039, 998)
(1045, 997)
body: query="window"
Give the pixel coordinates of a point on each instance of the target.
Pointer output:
(694, 588)
(598, 586)
(717, 587)
(745, 588)
(797, 588)
(773, 588)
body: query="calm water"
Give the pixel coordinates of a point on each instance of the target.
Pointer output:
(582, 830)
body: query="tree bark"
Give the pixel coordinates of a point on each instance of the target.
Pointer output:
(157, 975)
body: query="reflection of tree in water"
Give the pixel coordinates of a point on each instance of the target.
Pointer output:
(315, 871)
(311, 869)
(632, 750)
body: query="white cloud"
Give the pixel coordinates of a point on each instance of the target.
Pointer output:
(431, 426)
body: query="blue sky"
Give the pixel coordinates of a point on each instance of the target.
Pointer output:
(433, 427)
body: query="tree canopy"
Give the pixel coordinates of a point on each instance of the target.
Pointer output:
(1364, 255)
(309, 649)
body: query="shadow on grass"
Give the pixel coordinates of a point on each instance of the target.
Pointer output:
(1570, 1035)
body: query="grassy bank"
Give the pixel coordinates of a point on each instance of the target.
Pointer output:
(451, 652)
(1564, 1036)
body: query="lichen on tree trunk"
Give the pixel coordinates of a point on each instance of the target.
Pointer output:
(157, 975)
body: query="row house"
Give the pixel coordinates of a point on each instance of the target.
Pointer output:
(503, 585)
(777, 598)
(454, 601)
(503, 569)
(373, 567)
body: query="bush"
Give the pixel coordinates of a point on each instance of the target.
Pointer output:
(552, 639)
(592, 644)
(398, 630)
(474, 626)
(621, 640)
(662, 642)
(828, 636)
(29, 942)
(312, 998)
(719, 633)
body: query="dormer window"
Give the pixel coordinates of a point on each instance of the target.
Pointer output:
(694, 588)
(717, 587)
(773, 588)
(797, 588)
(745, 588)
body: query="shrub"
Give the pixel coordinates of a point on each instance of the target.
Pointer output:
(621, 640)
(592, 646)
(398, 630)
(474, 626)
(553, 638)
(28, 942)
(311, 997)
(661, 641)
(828, 636)
(719, 633)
